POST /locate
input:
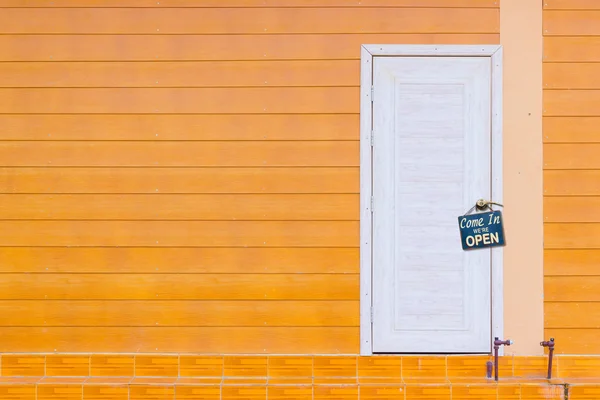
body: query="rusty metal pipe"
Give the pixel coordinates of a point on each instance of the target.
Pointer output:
(497, 344)
(550, 345)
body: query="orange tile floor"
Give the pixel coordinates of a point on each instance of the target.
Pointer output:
(194, 377)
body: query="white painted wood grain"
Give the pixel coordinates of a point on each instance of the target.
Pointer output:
(410, 92)
(365, 203)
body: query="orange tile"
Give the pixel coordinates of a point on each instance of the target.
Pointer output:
(459, 366)
(578, 367)
(290, 367)
(17, 392)
(245, 366)
(585, 392)
(258, 392)
(23, 365)
(154, 392)
(59, 392)
(532, 367)
(111, 365)
(163, 366)
(61, 365)
(207, 392)
(474, 392)
(289, 392)
(430, 368)
(369, 392)
(541, 392)
(427, 392)
(335, 392)
(517, 381)
(201, 366)
(505, 367)
(379, 368)
(575, 381)
(105, 392)
(509, 392)
(463, 380)
(335, 367)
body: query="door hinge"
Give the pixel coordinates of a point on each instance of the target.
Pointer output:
(372, 203)
(371, 314)
(372, 138)
(372, 93)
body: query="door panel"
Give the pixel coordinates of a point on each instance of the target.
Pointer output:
(431, 162)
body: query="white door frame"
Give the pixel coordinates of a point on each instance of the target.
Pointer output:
(366, 119)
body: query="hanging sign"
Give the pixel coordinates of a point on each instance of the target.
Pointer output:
(481, 230)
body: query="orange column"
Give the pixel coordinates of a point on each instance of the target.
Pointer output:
(521, 38)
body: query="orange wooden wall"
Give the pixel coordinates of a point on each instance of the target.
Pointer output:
(181, 177)
(571, 78)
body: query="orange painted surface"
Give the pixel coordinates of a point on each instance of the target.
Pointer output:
(571, 175)
(190, 376)
(170, 185)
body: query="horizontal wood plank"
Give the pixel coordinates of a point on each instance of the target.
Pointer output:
(572, 156)
(252, 3)
(179, 286)
(180, 154)
(181, 74)
(571, 75)
(180, 260)
(571, 129)
(160, 127)
(211, 47)
(251, 207)
(572, 315)
(180, 180)
(571, 102)
(572, 288)
(241, 20)
(571, 5)
(297, 100)
(571, 49)
(571, 23)
(571, 209)
(572, 262)
(181, 233)
(575, 341)
(205, 340)
(178, 313)
(572, 183)
(572, 236)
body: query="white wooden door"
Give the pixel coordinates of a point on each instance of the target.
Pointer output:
(431, 162)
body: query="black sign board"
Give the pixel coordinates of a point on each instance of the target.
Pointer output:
(481, 230)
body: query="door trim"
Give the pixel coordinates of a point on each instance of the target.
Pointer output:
(366, 121)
